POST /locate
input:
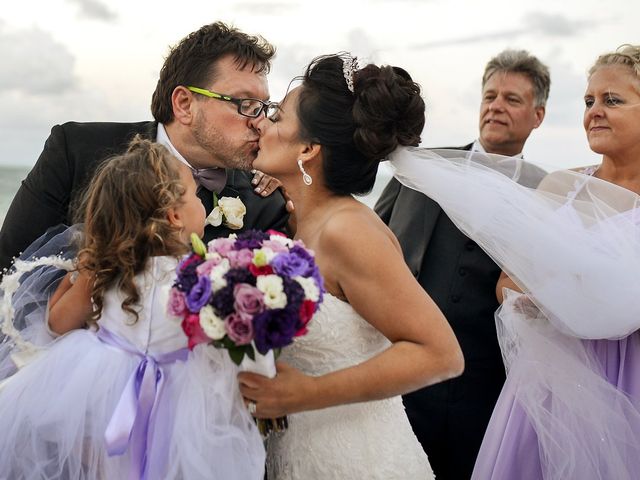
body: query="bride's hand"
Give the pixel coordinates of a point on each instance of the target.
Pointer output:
(288, 392)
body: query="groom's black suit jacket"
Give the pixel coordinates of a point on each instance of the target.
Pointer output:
(450, 418)
(66, 165)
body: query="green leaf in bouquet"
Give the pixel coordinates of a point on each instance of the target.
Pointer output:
(198, 245)
(236, 354)
(250, 352)
(227, 342)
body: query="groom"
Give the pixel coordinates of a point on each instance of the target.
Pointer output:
(211, 86)
(450, 418)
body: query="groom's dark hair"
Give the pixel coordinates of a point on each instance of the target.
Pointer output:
(192, 62)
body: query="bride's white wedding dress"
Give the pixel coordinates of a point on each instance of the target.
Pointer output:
(371, 440)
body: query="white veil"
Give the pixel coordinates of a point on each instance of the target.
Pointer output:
(573, 245)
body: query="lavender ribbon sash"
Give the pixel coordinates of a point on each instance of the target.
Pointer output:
(129, 424)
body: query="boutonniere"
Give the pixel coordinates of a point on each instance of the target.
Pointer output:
(229, 210)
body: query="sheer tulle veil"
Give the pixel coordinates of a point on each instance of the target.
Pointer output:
(573, 245)
(23, 316)
(573, 242)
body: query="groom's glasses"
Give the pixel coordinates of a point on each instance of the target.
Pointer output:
(248, 107)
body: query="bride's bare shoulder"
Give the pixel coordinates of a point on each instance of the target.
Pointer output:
(357, 225)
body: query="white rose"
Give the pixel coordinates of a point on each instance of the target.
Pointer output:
(212, 256)
(215, 217)
(233, 210)
(273, 289)
(217, 275)
(311, 290)
(212, 325)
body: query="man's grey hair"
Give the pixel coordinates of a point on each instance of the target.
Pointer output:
(521, 61)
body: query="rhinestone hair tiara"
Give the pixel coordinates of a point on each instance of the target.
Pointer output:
(349, 67)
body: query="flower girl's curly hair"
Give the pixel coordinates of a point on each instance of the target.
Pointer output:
(125, 212)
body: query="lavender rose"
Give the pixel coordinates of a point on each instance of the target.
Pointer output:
(248, 299)
(239, 328)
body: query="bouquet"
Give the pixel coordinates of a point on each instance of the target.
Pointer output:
(250, 293)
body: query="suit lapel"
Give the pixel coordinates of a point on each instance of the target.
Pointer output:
(413, 222)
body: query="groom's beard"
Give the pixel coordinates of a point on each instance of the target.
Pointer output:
(234, 153)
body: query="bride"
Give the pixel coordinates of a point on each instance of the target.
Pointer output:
(378, 334)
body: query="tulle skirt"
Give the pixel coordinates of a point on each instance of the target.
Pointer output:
(570, 408)
(55, 410)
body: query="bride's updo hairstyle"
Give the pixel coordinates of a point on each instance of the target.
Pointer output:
(357, 129)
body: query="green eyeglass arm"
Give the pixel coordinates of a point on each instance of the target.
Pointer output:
(208, 93)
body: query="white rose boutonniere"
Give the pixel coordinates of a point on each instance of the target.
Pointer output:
(229, 210)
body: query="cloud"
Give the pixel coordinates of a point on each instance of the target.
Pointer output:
(534, 23)
(95, 10)
(554, 25)
(267, 8)
(33, 62)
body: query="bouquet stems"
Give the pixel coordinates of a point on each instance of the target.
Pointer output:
(265, 365)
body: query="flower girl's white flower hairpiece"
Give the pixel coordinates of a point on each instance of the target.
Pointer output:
(349, 67)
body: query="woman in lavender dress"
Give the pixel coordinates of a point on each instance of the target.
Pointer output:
(535, 432)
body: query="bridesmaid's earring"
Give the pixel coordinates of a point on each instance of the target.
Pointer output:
(306, 178)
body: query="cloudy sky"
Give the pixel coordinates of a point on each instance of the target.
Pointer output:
(98, 60)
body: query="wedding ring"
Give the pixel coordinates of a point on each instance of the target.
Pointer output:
(252, 407)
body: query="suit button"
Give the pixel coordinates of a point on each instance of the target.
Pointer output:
(462, 272)
(470, 246)
(455, 298)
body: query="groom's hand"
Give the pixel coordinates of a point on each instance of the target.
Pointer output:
(288, 392)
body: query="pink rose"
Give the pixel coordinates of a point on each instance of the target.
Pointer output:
(239, 328)
(221, 245)
(248, 300)
(240, 258)
(204, 269)
(176, 306)
(275, 232)
(277, 247)
(193, 330)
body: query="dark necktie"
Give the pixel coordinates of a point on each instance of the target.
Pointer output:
(213, 179)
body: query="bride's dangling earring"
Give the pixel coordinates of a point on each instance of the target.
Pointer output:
(306, 178)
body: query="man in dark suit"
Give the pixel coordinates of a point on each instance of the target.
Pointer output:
(212, 88)
(450, 418)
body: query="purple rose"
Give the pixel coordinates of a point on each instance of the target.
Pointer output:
(239, 328)
(199, 294)
(274, 329)
(222, 301)
(177, 305)
(240, 258)
(291, 264)
(294, 293)
(187, 276)
(248, 299)
(250, 239)
(239, 275)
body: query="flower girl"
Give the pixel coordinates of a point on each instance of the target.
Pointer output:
(124, 397)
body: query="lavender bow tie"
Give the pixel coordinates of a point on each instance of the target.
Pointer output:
(213, 179)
